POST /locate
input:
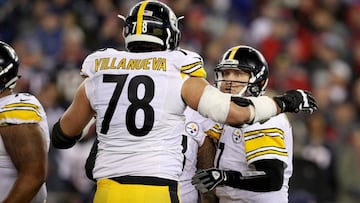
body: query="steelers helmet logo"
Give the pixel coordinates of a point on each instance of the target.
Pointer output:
(192, 128)
(236, 136)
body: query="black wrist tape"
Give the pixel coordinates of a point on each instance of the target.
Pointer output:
(60, 140)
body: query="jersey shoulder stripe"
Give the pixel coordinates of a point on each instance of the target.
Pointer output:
(195, 69)
(264, 142)
(191, 63)
(20, 109)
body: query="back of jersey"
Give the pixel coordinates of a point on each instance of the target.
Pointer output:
(137, 99)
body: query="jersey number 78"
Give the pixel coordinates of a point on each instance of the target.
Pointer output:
(136, 103)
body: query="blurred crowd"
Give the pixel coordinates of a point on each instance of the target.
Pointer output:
(309, 44)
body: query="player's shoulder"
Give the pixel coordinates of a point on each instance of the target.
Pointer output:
(103, 51)
(190, 63)
(279, 121)
(20, 108)
(20, 98)
(185, 56)
(95, 58)
(186, 53)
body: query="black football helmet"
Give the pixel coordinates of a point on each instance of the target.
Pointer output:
(9, 66)
(247, 59)
(154, 22)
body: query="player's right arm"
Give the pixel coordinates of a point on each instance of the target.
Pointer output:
(69, 128)
(194, 88)
(28, 151)
(236, 111)
(205, 159)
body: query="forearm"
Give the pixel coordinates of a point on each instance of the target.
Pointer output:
(255, 109)
(25, 188)
(61, 140)
(209, 197)
(206, 154)
(258, 184)
(271, 179)
(77, 115)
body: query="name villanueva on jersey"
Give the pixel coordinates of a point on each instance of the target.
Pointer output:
(155, 63)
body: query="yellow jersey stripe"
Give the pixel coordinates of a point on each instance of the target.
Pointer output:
(217, 126)
(233, 52)
(213, 134)
(26, 105)
(199, 73)
(140, 15)
(264, 141)
(192, 70)
(190, 66)
(21, 114)
(264, 131)
(265, 152)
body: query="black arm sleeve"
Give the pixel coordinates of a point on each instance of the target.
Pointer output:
(271, 181)
(241, 101)
(60, 140)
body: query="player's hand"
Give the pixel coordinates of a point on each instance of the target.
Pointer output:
(207, 179)
(296, 100)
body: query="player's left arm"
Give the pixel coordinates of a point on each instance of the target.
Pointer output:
(206, 154)
(269, 176)
(271, 179)
(205, 159)
(27, 148)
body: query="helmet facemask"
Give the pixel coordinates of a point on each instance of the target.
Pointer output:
(247, 59)
(237, 84)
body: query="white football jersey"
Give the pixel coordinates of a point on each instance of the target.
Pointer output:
(240, 147)
(139, 109)
(15, 109)
(195, 127)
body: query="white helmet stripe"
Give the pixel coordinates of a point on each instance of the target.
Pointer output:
(143, 37)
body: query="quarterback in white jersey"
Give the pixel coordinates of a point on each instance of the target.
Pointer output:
(139, 97)
(24, 138)
(239, 148)
(253, 163)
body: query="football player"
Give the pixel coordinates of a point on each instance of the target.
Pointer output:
(24, 137)
(253, 163)
(139, 96)
(199, 150)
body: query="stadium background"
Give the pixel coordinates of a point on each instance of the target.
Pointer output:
(309, 44)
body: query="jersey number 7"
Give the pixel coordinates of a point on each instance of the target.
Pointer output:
(136, 103)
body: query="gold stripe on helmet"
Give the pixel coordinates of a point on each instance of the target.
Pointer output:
(233, 52)
(140, 15)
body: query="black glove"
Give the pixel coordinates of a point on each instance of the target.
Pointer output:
(296, 100)
(207, 179)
